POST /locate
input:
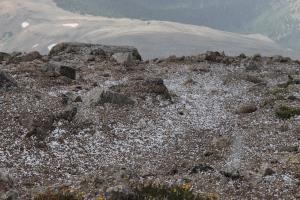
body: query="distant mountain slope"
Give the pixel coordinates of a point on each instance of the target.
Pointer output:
(277, 19)
(38, 25)
(226, 15)
(281, 21)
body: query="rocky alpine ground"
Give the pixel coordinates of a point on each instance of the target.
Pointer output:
(92, 119)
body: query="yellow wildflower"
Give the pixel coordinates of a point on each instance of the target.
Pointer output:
(186, 186)
(101, 198)
(81, 194)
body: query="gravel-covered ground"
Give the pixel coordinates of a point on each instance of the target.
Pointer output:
(209, 120)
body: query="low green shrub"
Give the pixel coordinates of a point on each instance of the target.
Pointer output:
(286, 112)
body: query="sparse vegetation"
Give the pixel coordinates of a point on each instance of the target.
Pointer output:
(155, 192)
(60, 194)
(187, 145)
(286, 112)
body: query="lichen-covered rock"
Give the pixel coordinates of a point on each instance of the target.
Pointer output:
(123, 58)
(6, 81)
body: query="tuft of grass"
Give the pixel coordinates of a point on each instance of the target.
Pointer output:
(278, 91)
(286, 112)
(144, 192)
(182, 192)
(59, 195)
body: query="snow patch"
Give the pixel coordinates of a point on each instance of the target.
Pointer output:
(260, 37)
(51, 46)
(25, 24)
(35, 46)
(71, 25)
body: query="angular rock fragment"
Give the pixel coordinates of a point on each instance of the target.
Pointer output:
(123, 58)
(99, 96)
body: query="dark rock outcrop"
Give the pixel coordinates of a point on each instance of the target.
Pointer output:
(99, 96)
(4, 56)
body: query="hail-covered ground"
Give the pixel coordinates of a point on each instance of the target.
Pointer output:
(209, 120)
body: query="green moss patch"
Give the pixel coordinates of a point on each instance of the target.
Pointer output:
(286, 112)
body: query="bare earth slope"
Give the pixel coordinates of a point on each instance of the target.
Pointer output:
(89, 117)
(38, 25)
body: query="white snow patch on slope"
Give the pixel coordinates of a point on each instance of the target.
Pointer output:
(35, 46)
(71, 25)
(25, 24)
(51, 46)
(260, 37)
